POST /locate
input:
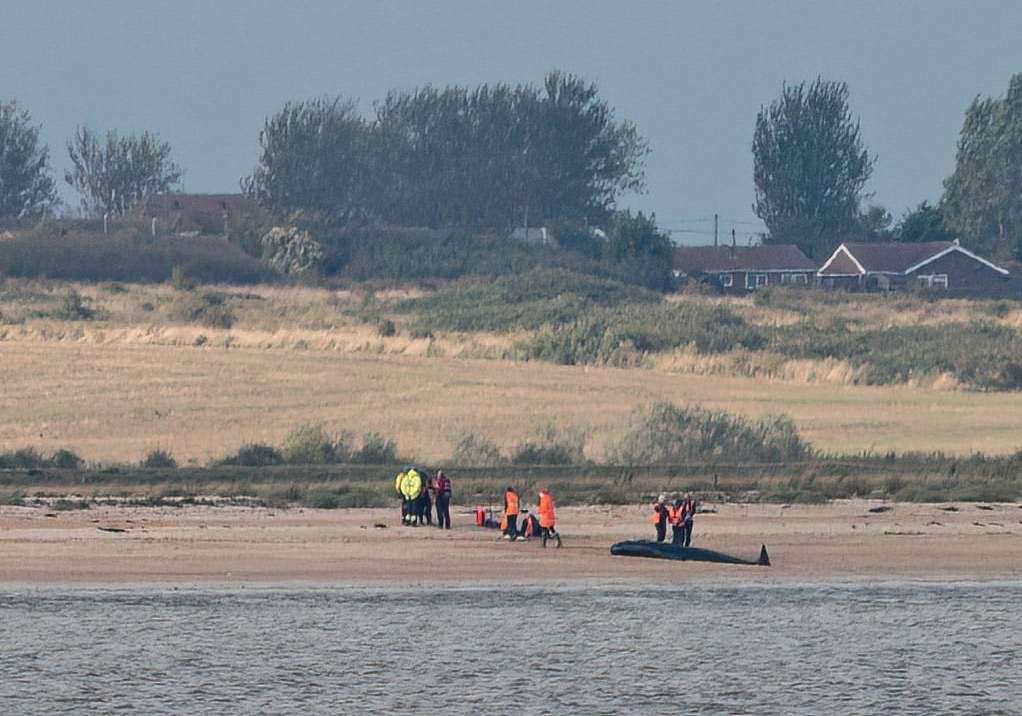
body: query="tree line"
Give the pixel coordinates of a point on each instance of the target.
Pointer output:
(811, 167)
(503, 156)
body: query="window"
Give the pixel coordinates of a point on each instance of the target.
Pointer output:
(799, 278)
(939, 281)
(727, 280)
(786, 277)
(761, 280)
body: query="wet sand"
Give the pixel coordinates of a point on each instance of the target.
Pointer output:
(239, 545)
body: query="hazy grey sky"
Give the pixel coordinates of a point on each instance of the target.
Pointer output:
(691, 76)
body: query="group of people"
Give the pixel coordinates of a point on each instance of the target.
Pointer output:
(420, 493)
(680, 515)
(542, 525)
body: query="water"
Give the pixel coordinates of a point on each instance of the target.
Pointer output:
(812, 649)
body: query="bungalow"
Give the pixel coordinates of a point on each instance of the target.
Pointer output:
(737, 269)
(939, 265)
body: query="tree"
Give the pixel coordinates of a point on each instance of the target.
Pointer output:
(114, 173)
(635, 241)
(26, 187)
(982, 199)
(809, 165)
(875, 223)
(315, 161)
(924, 223)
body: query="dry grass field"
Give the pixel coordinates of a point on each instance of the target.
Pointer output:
(135, 379)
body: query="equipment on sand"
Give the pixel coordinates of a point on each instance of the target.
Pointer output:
(661, 550)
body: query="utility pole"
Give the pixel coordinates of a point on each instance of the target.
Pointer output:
(715, 217)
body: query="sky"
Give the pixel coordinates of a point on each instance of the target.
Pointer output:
(691, 76)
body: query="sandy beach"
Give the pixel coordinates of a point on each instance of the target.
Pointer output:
(239, 545)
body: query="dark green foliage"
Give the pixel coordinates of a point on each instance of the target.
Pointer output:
(982, 199)
(621, 335)
(32, 459)
(317, 157)
(924, 223)
(982, 355)
(114, 173)
(73, 307)
(551, 447)
(809, 166)
(209, 309)
(159, 458)
(254, 455)
(129, 256)
(26, 187)
(386, 328)
(376, 450)
(666, 434)
(475, 451)
(539, 297)
(312, 445)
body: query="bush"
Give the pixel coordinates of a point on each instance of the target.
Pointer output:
(66, 460)
(551, 447)
(209, 309)
(386, 328)
(32, 459)
(73, 307)
(159, 458)
(376, 450)
(254, 455)
(62, 251)
(540, 297)
(312, 445)
(179, 281)
(665, 434)
(474, 451)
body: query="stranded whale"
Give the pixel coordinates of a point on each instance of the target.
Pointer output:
(664, 550)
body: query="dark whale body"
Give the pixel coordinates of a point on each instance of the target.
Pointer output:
(665, 550)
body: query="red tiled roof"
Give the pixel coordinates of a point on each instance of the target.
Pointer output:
(770, 257)
(895, 257)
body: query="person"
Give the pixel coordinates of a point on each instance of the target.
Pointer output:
(424, 505)
(676, 516)
(404, 501)
(688, 508)
(411, 488)
(442, 485)
(511, 513)
(530, 525)
(659, 517)
(548, 518)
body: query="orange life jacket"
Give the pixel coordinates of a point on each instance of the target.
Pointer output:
(547, 514)
(510, 503)
(658, 511)
(675, 515)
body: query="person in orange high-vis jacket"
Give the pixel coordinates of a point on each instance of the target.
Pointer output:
(660, 517)
(547, 518)
(676, 516)
(511, 513)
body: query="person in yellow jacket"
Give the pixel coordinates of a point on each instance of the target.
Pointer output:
(409, 484)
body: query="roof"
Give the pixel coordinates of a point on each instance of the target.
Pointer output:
(893, 258)
(769, 257)
(200, 203)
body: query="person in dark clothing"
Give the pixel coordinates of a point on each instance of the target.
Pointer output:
(660, 517)
(443, 500)
(424, 507)
(677, 519)
(688, 513)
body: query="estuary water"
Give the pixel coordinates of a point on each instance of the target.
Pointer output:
(830, 649)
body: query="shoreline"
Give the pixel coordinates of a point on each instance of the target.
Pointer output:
(230, 547)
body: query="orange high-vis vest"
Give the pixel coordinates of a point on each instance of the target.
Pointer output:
(547, 515)
(510, 503)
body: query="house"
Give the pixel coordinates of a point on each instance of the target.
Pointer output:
(738, 269)
(211, 214)
(937, 265)
(536, 235)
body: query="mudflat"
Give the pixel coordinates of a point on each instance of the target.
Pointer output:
(242, 545)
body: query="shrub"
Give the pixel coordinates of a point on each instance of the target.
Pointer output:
(312, 445)
(474, 451)
(159, 458)
(551, 447)
(71, 251)
(179, 280)
(665, 434)
(376, 450)
(209, 309)
(66, 460)
(386, 328)
(254, 455)
(73, 307)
